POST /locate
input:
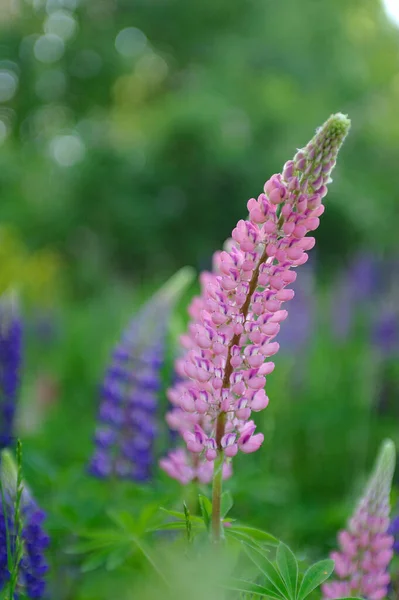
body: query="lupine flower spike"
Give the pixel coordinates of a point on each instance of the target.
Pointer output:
(366, 547)
(124, 438)
(32, 565)
(394, 530)
(10, 364)
(230, 339)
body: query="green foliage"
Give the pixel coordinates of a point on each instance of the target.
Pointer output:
(11, 490)
(176, 138)
(191, 125)
(281, 580)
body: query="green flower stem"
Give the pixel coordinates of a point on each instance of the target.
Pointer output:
(217, 532)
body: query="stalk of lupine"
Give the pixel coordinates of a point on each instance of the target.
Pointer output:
(32, 566)
(366, 547)
(10, 364)
(235, 320)
(127, 419)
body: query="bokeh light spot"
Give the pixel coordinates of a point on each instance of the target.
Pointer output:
(61, 23)
(8, 85)
(54, 5)
(130, 42)
(3, 132)
(392, 10)
(67, 150)
(49, 48)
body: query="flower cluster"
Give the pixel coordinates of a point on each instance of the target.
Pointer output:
(184, 467)
(127, 419)
(361, 565)
(10, 363)
(33, 565)
(231, 336)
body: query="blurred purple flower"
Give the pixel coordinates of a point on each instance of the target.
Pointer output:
(394, 530)
(127, 425)
(356, 287)
(295, 334)
(127, 418)
(33, 565)
(385, 332)
(10, 365)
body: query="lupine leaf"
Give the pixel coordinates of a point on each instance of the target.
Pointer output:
(206, 510)
(254, 534)
(124, 520)
(94, 561)
(150, 558)
(227, 503)
(168, 526)
(268, 570)
(241, 585)
(117, 557)
(315, 576)
(189, 526)
(288, 567)
(241, 538)
(180, 515)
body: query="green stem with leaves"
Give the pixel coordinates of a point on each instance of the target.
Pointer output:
(18, 524)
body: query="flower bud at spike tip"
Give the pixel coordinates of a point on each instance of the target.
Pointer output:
(366, 547)
(236, 318)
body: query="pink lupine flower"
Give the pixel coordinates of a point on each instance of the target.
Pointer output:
(179, 465)
(366, 547)
(230, 338)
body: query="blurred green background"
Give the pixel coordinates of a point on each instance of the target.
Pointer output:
(132, 134)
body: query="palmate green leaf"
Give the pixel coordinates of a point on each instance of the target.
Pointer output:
(188, 524)
(180, 515)
(117, 557)
(247, 587)
(168, 527)
(254, 534)
(242, 537)
(315, 576)
(124, 520)
(227, 503)
(268, 569)
(151, 558)
(147, 516)
(288, 567)
(95, 540)
(206, 510)
(94, 561)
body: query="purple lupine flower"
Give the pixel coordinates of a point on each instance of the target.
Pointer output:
(33, 565)
(10, 364)
(127, 418)
(366, 547)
